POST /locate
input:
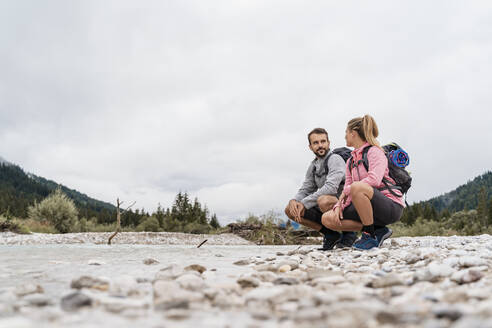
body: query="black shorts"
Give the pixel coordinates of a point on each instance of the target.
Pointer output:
(313, 214)
(385, 210)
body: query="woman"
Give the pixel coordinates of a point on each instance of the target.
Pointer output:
(366, 203)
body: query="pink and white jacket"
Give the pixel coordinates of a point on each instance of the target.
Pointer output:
(378, 168)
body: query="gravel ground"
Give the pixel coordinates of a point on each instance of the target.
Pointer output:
(409, 282)
(133, 238)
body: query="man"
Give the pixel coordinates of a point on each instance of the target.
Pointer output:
(318, 194)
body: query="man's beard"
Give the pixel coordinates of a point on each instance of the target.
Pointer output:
(323, 150)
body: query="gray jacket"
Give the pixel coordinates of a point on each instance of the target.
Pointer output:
(321, 183)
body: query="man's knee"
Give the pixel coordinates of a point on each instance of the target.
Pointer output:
(326, 202)
(327, 219)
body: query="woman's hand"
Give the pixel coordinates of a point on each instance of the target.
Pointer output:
(342, 198)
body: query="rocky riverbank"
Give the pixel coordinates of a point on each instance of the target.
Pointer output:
(409, 282)
(131, 238)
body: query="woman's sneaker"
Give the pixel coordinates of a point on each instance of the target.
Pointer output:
(366, 241)
(382, 234)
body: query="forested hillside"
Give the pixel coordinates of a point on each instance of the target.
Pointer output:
(18, 190)
(463, 197)
(474, 195)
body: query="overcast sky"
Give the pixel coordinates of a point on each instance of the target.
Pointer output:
(143, 99)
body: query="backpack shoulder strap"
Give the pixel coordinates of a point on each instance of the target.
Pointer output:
(325, 163)
(365, 161)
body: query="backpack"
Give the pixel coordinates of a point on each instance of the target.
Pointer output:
(345, 153)
(397, 172)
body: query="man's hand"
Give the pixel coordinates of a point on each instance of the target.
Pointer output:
(291, 207)
(296, 210)
(299, 212)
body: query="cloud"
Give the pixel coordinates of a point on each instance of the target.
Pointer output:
(117, 99)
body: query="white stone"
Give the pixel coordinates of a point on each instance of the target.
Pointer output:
(471, 261)
(169, 273)
(335, 279)
(118, 305)
(466, 276)
(124, 286)
(26, 289)
(169, 294)
(191, 282)
(438, 270)
(264, 293)
(284, 268)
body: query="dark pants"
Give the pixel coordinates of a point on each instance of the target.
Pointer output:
(314, 214)
(385, 211)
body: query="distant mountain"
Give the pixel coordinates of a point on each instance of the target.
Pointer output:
(19, 189)
(3, 161)
(463, 197)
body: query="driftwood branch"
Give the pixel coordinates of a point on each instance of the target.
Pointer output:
(118, 218)
(203, 242)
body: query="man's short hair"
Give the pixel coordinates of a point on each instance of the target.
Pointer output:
(317, 131)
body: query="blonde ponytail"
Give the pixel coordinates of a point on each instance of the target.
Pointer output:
(370, 129)
(366, 127)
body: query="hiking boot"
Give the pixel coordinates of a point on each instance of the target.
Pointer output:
(365, 242)
(347, 240)
(329, 241)
(382, 234)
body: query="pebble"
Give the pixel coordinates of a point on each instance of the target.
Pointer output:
(191, 282)
(38, 300)
(248, 282)
(285, 281)
(95, 262)
(123, 286)
(90, 282)
(466, 276)
(195, 267)
(75, 301)
(389, 280)
(243, 262)
(284, 268)
(447, 312)
(150, 261)
(471, 261)
(27, 289)
(170, 272)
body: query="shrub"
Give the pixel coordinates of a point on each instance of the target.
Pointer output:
(57, 209)
(149, 224)
(13, 225)
(39, 226)
(196, 227)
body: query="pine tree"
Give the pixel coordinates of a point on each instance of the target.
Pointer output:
(160, 215)
(445, 214)
(430, 212)
(214, 222)
(482, 206)
(490, 211)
